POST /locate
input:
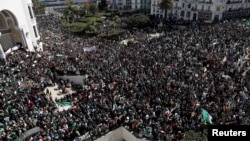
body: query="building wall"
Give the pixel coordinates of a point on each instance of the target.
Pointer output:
(145, 5)
(201, 9)
(62, 2)
(132, 5)
(155, 9)
(135, 4)
(25, 21)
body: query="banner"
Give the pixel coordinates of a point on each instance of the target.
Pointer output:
(29, 133)
(62, 106)
(89, 49)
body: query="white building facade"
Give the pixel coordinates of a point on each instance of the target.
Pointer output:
(155, 9)
(132, 5)
(206, 10)
(61, 2)
(18, 25)
(127, 5)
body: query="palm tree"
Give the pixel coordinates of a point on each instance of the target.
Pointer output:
(166, 5)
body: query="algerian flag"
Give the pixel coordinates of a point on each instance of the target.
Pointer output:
(58, 55)
(247, 22)
(206, 116)
(63, 106)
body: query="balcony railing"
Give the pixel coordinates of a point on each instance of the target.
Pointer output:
(204, 10)
(206, 2)
(176, 7)
(155, 4)
(233, 2)
(190, 1)
(194, 9)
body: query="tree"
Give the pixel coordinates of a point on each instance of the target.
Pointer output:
(102, 5)
(93, 8)
(69, 14)
(138, 20)
(166, 5)
(116, 20)
(38, 7)
(69, 2)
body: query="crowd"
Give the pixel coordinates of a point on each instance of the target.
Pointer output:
(153, 87)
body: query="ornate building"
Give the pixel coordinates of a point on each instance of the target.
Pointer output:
(18, 25)
(132, 5)
(211, 10)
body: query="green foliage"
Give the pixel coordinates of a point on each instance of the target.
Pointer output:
(93, 8)
(117, 19)
(195, 136)
(91, 19)
(69, 2)
(77, 27)
(166, 4)
(198, 134)
(111, 10)
(113, 34)
(138, 21)
(107, 14)
(39, 7)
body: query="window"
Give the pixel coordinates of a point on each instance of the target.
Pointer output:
(188, 15)
(189, 5)
(209, 8)
(183, 5)
(182, 13)
(30, 11)
(218, 9)
(35, 31)
(202, 7)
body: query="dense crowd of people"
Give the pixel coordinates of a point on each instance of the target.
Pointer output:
(153, 87)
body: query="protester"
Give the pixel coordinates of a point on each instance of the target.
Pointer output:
(153, 87)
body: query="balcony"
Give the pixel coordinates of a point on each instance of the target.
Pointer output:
(204, 11)
(194, 9)
(189, 1)
(155, 5)
(233, 2)
(176, 7)
(206, 2)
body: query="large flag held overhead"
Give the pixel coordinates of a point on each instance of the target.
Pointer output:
(63, 106)
(247, 22)
(206, 117)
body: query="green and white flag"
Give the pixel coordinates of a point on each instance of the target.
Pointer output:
(206, 117)
(247, 22)
(62, 106)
